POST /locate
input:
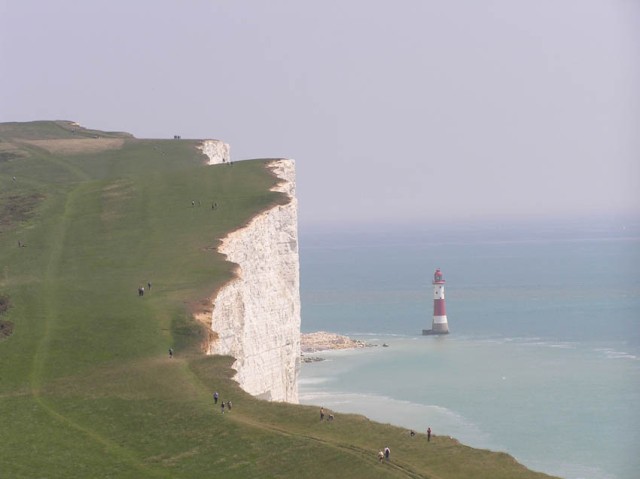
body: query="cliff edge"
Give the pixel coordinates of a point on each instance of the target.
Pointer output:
(256, 316)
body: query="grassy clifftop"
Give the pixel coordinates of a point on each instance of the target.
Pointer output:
(86, 385)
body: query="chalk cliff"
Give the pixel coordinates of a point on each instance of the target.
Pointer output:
(216, 150)
(256, 316)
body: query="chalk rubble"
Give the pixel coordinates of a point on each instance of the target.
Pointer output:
(324, 341)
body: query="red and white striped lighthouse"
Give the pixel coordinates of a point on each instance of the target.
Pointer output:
(439, 325)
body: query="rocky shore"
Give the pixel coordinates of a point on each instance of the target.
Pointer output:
(323, 341)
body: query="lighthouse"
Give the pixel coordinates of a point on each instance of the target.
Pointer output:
(439, 325)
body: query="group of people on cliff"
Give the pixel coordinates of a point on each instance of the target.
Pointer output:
(228, 405)
(330, 417)
(385, 454)
(141, 289)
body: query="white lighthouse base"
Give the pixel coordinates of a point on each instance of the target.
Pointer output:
(439, 326)
(432, 332)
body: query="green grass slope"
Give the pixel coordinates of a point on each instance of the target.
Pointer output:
(86, 385)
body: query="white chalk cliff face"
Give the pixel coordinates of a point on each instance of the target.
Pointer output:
(216, 151)
(256, 316)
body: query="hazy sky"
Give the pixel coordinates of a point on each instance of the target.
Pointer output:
(409, 110)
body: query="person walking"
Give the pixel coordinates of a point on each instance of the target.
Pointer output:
(170, 353)
(322, 414)
(387, 453)
(222, 407)
(215, 397)
(429, 434)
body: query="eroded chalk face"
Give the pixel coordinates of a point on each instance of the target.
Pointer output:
(256, 316)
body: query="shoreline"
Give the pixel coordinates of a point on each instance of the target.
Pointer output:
(338, 385)
(324, 341)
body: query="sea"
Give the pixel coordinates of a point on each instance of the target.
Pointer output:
(543, 356)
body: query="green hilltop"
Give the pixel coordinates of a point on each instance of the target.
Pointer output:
(87, 389)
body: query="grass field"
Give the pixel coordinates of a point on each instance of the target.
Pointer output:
(86, 385)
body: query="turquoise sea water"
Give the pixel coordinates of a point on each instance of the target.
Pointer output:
(543, 359)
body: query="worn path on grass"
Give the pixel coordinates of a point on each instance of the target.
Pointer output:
(400, 469)
(56, 243)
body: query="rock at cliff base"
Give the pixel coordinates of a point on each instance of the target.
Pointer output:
(323, 341)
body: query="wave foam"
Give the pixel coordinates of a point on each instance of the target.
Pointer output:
(611, 353)
(401, 413)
